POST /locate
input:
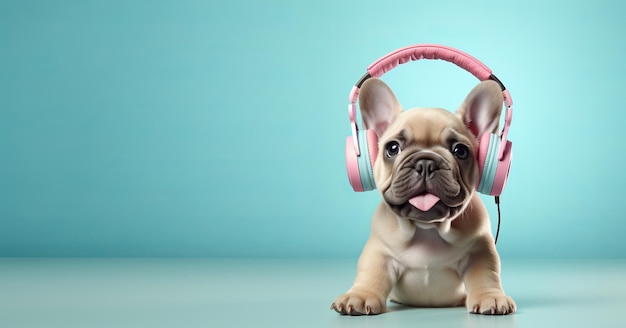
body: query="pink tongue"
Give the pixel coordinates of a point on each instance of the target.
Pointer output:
(424, 202)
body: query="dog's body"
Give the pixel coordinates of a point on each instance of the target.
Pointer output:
(430, 243)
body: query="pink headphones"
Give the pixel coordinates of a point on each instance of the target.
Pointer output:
(494, 152)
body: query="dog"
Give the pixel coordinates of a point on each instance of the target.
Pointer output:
(430, 243)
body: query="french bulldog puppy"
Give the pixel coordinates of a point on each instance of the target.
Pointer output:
(430, 243)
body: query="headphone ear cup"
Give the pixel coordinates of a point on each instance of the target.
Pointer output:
(352, 165)
(493, 172)
(487, 150)
(502, 172)
(360, 168)
(368, 143)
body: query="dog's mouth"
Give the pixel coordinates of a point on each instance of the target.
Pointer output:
(425, 207)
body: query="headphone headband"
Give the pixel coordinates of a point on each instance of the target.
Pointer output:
(428, 51)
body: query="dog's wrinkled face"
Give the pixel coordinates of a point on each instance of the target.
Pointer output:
(426, 169)
(428, 162)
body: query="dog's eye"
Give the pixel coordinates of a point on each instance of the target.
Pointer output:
(460, 151)
(392, 149)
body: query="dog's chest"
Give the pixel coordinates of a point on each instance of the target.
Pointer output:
(428, 249)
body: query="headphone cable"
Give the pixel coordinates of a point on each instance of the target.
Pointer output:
(498, 229)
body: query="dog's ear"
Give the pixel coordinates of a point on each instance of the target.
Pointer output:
(379, 106)
(481, 109)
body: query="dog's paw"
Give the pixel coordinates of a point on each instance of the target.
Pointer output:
(491, 303)
(359, 303)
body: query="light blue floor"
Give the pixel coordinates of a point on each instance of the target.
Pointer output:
(282, 293)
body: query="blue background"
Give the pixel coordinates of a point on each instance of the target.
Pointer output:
(216, 128)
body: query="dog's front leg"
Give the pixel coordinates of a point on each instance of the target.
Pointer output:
(372, 285)
(482, 282)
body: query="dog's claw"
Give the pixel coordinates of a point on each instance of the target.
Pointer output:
(337, 308)
(489, 311)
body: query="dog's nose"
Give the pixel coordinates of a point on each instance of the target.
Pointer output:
(426, 167)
